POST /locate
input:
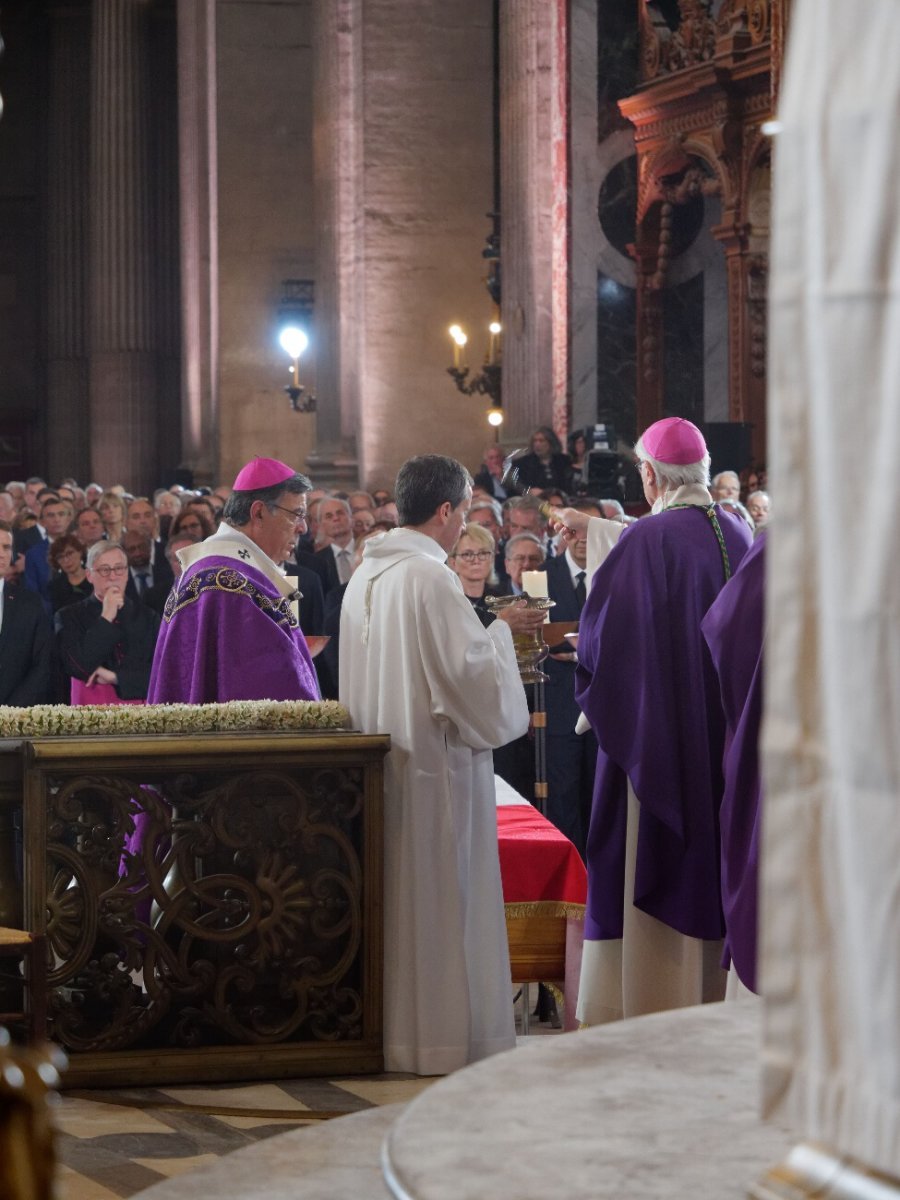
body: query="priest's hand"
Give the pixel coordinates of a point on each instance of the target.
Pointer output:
(112, 602)
(569, 520)
(102, 675)
(522, 619)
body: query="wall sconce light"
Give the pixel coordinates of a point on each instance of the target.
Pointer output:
(294, 342)
(489, 381)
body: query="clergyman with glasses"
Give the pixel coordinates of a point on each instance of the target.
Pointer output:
(106, 641)
(230, 629)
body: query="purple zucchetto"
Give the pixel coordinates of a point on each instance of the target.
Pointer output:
(674, 440)
(262, 473)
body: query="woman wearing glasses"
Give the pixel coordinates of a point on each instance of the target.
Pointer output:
(472, 558)
(106, 641)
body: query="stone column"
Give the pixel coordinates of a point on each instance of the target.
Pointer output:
(529, 66)
(68, 419)
(123, 374)
(404, 183)
(337, 159)
(199, 250)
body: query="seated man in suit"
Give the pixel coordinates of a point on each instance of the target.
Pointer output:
(56, 516)
(143, 575)
(25, 640)
(108, 638)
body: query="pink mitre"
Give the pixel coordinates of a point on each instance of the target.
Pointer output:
(674, 440)
(262, 473)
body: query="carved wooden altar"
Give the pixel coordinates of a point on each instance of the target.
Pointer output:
(707, 88)
(240, 936)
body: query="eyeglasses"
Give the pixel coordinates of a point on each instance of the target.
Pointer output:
(470, 556)
(638, 465)
(526, 560)
(296, 514)
(105, 572)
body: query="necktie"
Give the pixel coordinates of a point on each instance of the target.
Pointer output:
(141, 580)
(580, 589)
(343, 566)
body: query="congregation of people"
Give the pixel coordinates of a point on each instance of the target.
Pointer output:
(273, 588)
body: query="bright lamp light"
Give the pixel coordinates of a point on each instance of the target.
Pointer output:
(293, 340)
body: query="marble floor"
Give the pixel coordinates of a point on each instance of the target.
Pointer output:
(115, 1143)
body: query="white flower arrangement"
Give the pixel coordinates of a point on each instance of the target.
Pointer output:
(61, 720)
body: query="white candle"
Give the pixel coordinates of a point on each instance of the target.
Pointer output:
(534, 583)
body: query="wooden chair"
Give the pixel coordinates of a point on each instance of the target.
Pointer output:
(18, 946)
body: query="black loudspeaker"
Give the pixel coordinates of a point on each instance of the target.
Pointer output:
(604, 475)
(729, 444)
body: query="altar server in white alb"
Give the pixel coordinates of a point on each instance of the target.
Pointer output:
(416, 663)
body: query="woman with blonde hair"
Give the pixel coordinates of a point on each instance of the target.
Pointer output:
(111, 508)
(472, 558)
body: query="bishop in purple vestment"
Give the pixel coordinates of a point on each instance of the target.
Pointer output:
(647, 684)
(734, 629)
(229, 630)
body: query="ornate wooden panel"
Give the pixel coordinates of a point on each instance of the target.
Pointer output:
(212, 904)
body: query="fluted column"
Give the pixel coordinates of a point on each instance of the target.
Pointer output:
(67, 407)
(123, 374)
(199, 221)
(337, 161)
(532, 171)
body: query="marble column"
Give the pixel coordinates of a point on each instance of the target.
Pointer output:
(338, 168)
(199, 250)
(67, 407)
(532, 168)
(123, 366)
(403, 186)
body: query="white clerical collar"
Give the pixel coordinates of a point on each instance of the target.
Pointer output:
(688, 493)
(228, 542)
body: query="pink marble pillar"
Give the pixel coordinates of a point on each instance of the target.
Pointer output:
(67, 415)
(199, 248)
(337, 159)
(534, 178)
(123, 367)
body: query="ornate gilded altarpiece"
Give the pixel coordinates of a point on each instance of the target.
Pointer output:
(237, 934)
(708, 74)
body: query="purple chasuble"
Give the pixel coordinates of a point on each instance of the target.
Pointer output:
(734, 631)
(228, 634)
(646, 682)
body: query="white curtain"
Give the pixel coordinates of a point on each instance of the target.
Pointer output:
(831, 890)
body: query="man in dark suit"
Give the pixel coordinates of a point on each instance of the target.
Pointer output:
(144, 575)
(25, 641)
(56, 516)
(571, 756)
(333, 563)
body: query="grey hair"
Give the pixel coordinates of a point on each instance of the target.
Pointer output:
(721, 475)
(759, 492)
(99, 549)
(236, 512)
(492, 505)
(524, 537)
(670, 476)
